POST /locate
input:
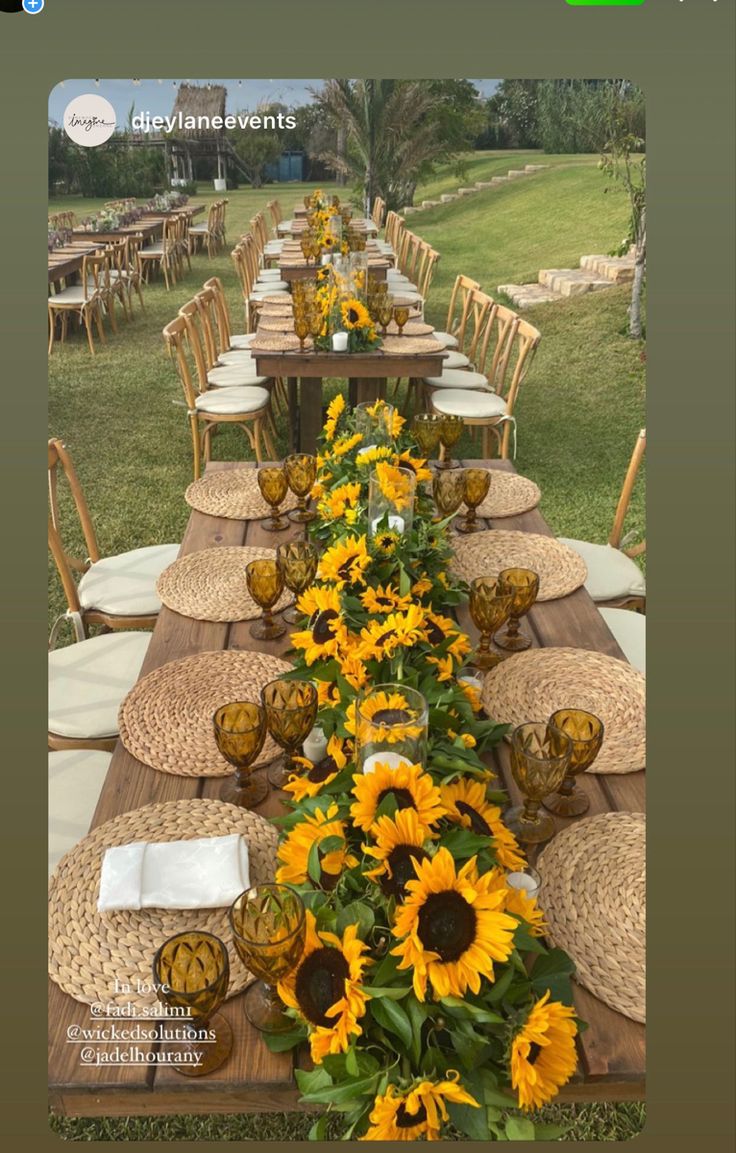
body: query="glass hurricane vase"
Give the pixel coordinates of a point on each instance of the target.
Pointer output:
(391, 729)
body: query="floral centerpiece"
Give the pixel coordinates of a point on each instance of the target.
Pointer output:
(165, 201)
(343, 311)
(415, 990)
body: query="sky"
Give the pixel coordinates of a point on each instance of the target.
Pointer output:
(157, 96)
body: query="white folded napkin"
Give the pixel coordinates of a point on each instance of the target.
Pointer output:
(201, 874)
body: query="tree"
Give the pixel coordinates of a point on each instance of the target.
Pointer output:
(395, 132)
(624, 162)
(512, 113)
(254, 148)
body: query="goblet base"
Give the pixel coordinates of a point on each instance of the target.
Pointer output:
(448, 464)
(278, 774)
(487, 660)
(292, 616)
(513, 643)
(264, 630)
(468, 526)
(275, 523)
(526, 831)
(201, 1057)
(301, 515)
(246, 796)
(264, 1010)
(567, 804)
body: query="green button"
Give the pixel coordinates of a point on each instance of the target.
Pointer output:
(599, 2)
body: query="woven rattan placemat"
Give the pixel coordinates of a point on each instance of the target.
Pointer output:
(409, 343)
(594, 898)
(166, 718)
(530, 686)
(233, 494)
(277, 298)
(277, 342)
(561, 570)
(90, 951)
(276, 323)
(210, 585)
(411, 328)
(509, 495)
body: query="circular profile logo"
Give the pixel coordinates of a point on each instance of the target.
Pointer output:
(89, 120)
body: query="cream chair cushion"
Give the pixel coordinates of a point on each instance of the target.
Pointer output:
(88, 680)
(269, 274)
(76, 777)
(457, 378)
(237, 358)
(234, 375)
(630, 630)
(611, 574)
(446, 338)
(125, 585)
(231, 401)
(468, 403)
(269, 286)
(452, 359)
(242, 340)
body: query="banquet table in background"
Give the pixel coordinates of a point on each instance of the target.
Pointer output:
(612, 1049)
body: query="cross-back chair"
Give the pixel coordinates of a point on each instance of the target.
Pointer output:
(163, 253)
(84, 299)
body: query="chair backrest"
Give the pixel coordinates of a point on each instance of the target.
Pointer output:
(428, 263)
(378, 211)
(214, 284)
(67, 564)
(205, 303)
(624, 500)
(521, 352)
(170, 234)
(95, 274)
(459, 307)
(479, 308)
(213, 217)
(135, 244)
(196, 341)
(175, 339)
(117, 250)
(494, 349)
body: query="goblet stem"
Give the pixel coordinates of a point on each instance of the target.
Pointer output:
(204, 1056)
(484, 658)
(244, 789)
(280, 772)
(265, 1009)
(566, 787)
(531, 810)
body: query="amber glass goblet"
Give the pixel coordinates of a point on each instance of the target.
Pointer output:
(448, 490)
(301, 473)
(306, 246)
(401, 316)
(301, 326)
(585, 731)
(240, 730)
(540, 755)
(477, 484)
(291, 710)
(425, 429)
(489, 604)
(192, 971)
(451, 430)
(525, 585)
(298, 560)
(273, 484)
(385, 311)
(265, 582)
(268, 923)
(316, 319)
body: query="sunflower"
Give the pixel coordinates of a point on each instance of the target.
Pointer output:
(409, 1116)
(326, 630)
(326, 988)
(345, 562)
(418, 467)
(316, 776)
(384, 599)
(519, 904)
(453, 927)
(422, 586)
(467, 805)
(543, 1056)
(293, 852)
(472, 694)
(409, 785)
(372, 454)
(399, 842)
(440, 629)
(385, 542)
(399, 630)
(339, 500)
(346, 443)
(388, 717)
(355, 315)
(393, 484)
(353, 669)
(445, 667)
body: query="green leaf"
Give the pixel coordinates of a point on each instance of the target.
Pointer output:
(465, 1009)
(386, 970)
(390, 992)
(356, 913)
(544, 1132)
(417, 1015)
(310, 1080)
(281, 1042)
(345, 1094)
(388, 806)
(351, 1063)
(314, 864)
(391, 1017)
(520, 1129)
(462, 843)
(553, 972)
(331, 845)
(319, 1129)
(470, 1119)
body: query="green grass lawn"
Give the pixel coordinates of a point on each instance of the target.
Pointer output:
(579, 412)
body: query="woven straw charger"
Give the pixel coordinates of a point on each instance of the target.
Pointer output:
(233, 494)
(561, 570)
(594, 900)
(509, 495)
(534, 684)
(210, 585)
(89, 951)
(166, 719)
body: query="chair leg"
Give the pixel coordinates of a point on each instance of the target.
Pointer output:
(207, 438)
(257, 428)
(270, 446)
(111, 312)
(165, 266)
(88, 326)
(98, 322)
(197, 448)
(52, 326)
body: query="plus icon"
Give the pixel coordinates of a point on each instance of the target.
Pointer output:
(33, 7)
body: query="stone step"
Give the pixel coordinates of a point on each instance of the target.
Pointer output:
(571, 281)
(466, 191)
(409, 208)
(483, 184)
(617, 269)
(514, 172)
(527, 295)
(448, 197)
(499, 179)
(430, 203)
(535, 167)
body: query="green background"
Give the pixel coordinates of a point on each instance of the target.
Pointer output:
(580, 3)
(690, 453)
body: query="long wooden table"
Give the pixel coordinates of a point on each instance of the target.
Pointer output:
(66, 261)
(612, 1049)
(149, 228)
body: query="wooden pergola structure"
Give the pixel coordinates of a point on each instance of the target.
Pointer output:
(183, 146)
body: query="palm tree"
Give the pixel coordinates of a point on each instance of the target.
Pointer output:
(391, 131)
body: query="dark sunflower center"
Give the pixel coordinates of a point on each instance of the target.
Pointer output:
(406, 1120)
(447, 925)
(403, 798)
(477, 823)
(321, 631)
(384, 638)
(391, 716)
(322, 771)
(534, 1051)
(320, 983)
(400, 861)
(352, 316)
(435, 633)
(345, 570)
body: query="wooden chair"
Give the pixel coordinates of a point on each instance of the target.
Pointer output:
(458, 312)
(117, 591)
(84, 299)
(378, 212)
(227, 340)
(207, 409)
(207, 233)
(614, 579)
(163, 253)
(117, 250)
(471, 324)
(131, 276)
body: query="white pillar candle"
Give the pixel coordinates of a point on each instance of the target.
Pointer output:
(339, 342)
(393, 760)
(395, 523)
(326, 258)
(315, 745)
(529, 883)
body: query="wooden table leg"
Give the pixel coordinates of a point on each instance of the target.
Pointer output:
(310, 412)
(293, 412)
(367, 389)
